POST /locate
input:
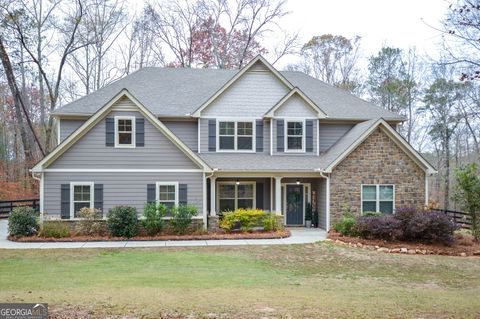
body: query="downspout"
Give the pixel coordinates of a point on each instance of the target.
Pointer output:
(39, 178)
(327, 197)
(205, 219)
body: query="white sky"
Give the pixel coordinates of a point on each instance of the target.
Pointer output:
(398, 23)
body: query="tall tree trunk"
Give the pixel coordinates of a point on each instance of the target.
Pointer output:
(447, 170)
(18, 104)
(16, 98)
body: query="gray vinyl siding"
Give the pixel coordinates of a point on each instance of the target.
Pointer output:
(186, 131)
(67, 127)
(204, 135)
(120, 188)
(90, 151)
(329, 134)
(295, 106)
(274, 135)
(254, 93)
(322, 202)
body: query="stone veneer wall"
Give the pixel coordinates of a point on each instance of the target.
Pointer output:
(378, 160)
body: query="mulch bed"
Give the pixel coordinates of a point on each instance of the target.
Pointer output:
(458, 247)
(283, 233)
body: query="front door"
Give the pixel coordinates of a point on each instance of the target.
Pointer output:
(294, 204)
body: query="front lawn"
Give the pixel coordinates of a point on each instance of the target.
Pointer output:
(297, 281)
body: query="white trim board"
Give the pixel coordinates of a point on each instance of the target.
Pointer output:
(119, 170)
(99, 115)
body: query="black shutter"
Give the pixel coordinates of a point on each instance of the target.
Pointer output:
(109, 132)
(259, 135)
(98, 197)
(212, 135)
(280, 135)
(259, 195)
(140, 131)
(151, 193)
(182, 194)
(309, 135)
(65, 201)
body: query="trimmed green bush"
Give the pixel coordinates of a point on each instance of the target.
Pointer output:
(152, 221)
(23, 221)
(55, 229)
(182, 218)
(247, 219)
(270, 222)
(122, 221)
(345, 225)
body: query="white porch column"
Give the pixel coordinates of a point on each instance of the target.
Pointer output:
(213, 191)
(278, 195)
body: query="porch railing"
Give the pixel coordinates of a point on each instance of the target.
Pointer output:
(6, 206)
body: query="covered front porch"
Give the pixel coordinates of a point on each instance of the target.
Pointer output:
(288, 195)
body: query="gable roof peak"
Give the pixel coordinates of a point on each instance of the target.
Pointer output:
(296, 91)
(242, 71)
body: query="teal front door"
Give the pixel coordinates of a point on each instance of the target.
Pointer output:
(294, 204)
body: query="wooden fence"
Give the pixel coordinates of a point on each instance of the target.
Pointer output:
(6, 206)
(460, 218)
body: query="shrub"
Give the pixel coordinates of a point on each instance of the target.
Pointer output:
(464, 238)
(270, 222)
(243, 219)
(182, 218)
(153, 214)
(467, 193)
(379, 227)
(55, 229)
(122, 221)
(23, 221)
(431, 226)
(91, 222)
(345, 225)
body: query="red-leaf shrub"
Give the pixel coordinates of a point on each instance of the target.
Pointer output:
(431, 226)
(379, 227)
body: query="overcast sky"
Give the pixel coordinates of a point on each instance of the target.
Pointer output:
(402, 24)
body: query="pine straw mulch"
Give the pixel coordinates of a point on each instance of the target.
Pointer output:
(462, 246)
(281, 233)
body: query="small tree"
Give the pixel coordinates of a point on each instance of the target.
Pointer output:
(467, 192)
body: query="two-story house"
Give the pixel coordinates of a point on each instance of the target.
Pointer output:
(225, 139)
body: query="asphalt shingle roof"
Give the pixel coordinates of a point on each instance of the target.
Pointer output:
(169, 92)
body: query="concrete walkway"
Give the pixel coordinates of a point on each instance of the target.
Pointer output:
(299, 236)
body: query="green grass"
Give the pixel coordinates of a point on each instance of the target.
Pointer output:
(298, 281)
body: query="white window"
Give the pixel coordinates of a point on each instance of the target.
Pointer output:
(378, 198)
(124, 131)
(167, 194)
(295, 136)
(81, 195)
(233, 195)
(235, 136)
